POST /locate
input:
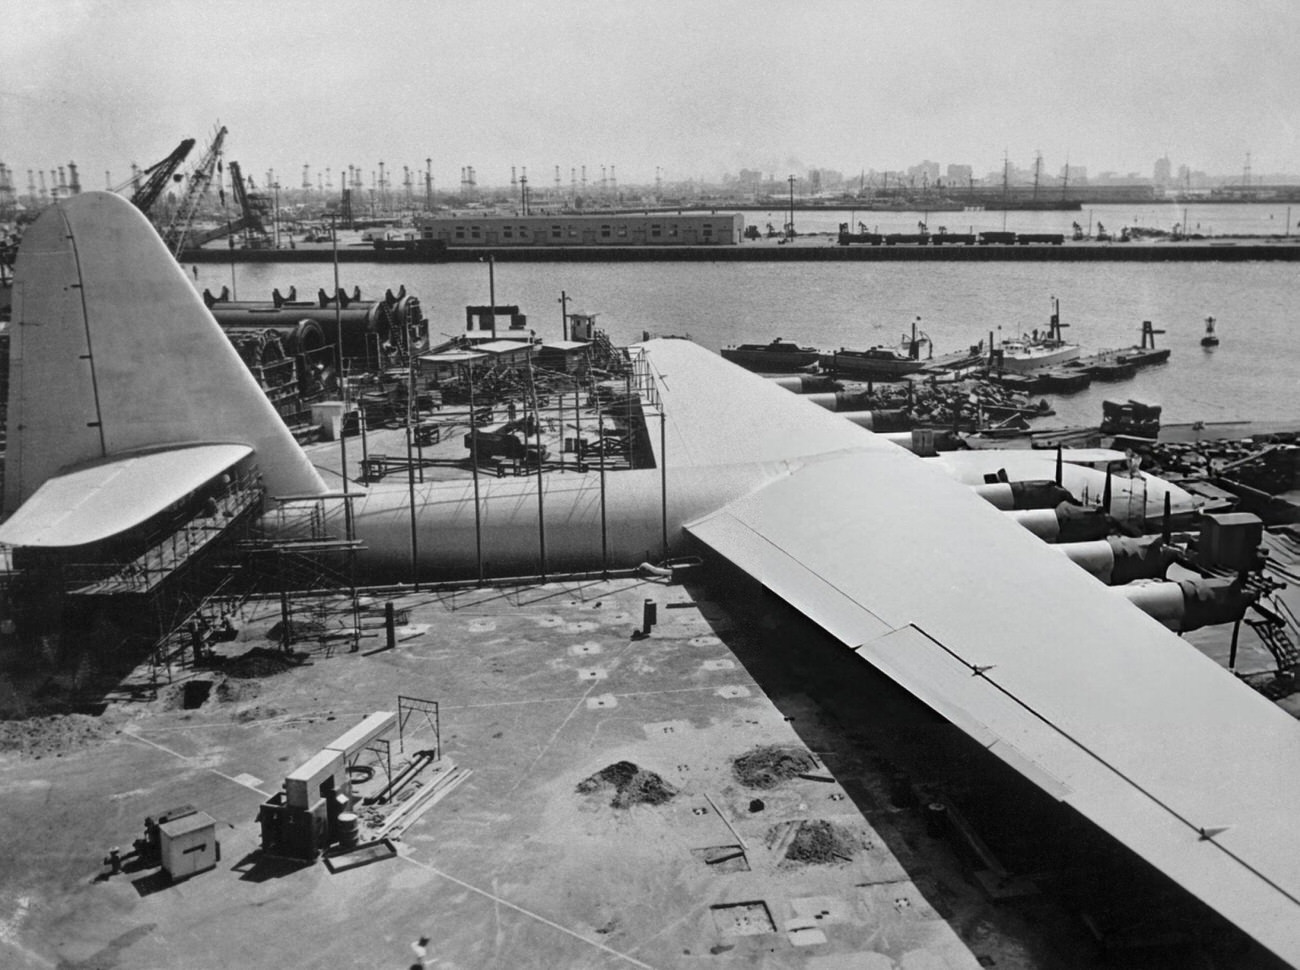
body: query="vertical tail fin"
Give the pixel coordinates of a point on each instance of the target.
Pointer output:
(112, 351)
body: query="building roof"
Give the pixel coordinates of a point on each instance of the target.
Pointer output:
(453, 357)
(504, 346)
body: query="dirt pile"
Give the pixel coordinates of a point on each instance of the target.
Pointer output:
(38, 737)
(260, 662)
(298, 630)
(769, 766)
(819, 842)
(632, 784)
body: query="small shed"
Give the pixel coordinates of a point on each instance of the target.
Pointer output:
(566, 356)
(507, 353)
(448, 365)
(188, 845)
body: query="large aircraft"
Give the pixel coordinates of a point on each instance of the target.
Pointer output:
(125, 398)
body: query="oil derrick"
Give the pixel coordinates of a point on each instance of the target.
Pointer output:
(345, 207)
(178, 230)
(8, 200)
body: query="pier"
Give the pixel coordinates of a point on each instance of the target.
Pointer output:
(811, 249)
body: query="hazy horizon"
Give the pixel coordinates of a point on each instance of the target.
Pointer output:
(695, 90)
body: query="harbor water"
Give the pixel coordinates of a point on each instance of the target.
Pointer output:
(1254, 375)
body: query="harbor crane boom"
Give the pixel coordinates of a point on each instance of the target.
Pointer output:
(178, 229)
(253, 209)
(159, 174)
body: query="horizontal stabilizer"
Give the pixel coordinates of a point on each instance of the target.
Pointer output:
(104, 499)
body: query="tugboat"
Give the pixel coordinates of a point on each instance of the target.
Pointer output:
(1211, 339)
(1034, 352)
(780, 355)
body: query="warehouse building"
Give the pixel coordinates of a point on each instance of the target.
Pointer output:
(640, 229)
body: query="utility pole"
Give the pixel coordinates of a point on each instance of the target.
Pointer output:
(790, 229)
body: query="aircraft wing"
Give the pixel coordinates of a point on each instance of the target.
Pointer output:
(1081, 692)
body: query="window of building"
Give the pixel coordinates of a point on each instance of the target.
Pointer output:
(672, 230)
(460, 232)
(523, 232)
(622, 232)
(573, 233)
(556, 232)
(475, 232)
(656, 230)
(707, 230)
(606, 231)
(507, 232)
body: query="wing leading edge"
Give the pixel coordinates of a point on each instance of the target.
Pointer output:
(1088, 698)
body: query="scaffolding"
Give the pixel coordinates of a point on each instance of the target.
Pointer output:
(148, 590)
(301, 561)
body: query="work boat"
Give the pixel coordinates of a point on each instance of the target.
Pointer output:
(1032, 352)
(779, 355)
(881, 363)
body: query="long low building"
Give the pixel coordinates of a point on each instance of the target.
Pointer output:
(639, 229)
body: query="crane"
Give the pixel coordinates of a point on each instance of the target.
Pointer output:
(253, 209)
(178, 229)
(159, 174)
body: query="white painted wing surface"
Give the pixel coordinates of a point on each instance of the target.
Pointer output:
(106, 498)
(1084, 694)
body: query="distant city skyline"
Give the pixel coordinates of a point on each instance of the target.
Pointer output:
(691, 91)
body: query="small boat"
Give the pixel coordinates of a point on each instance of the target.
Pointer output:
(1211, 339)
(875, 363)
(880, 363)
(779, 355)
(1033, 352)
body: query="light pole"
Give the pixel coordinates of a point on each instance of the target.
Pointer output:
(275, 214)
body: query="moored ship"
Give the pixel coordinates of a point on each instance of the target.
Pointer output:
(779, 355)
(1032, 352)
(881, 363)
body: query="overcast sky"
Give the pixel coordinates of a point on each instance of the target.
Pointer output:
(694, 87)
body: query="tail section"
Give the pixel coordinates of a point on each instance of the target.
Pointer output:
(112, 351)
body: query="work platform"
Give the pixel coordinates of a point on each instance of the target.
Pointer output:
(173, 552)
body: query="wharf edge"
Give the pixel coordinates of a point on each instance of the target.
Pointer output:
(1123, 252)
